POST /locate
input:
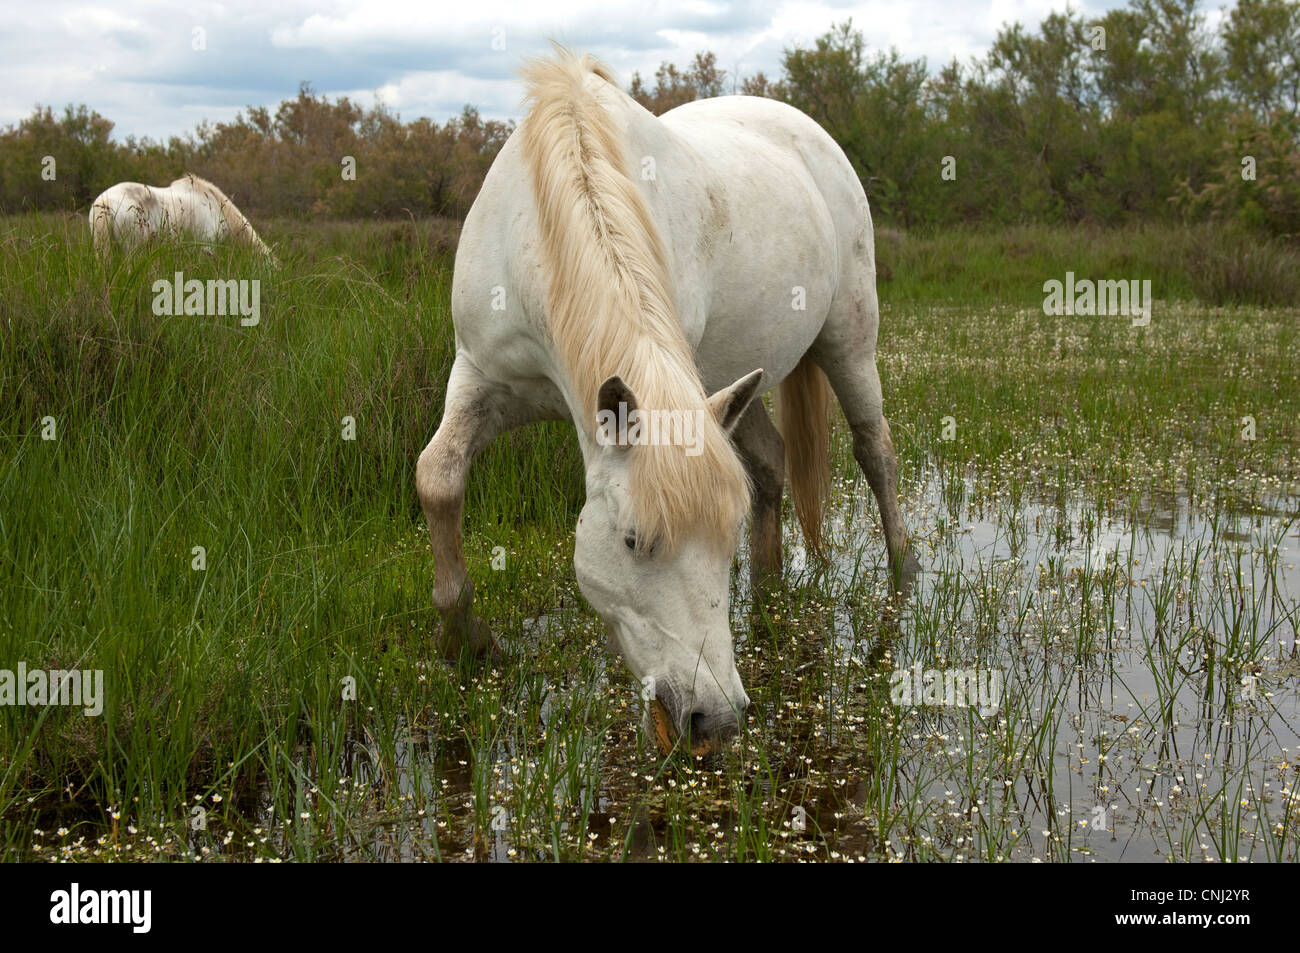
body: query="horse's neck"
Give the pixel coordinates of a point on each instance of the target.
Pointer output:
(192, 210)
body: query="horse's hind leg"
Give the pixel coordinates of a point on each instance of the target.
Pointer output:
(846, 352)
(474, 413)
(763, 452)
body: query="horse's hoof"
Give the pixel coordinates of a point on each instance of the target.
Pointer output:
(469, 636)
(905, 576)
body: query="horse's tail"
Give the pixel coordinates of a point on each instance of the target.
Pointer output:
(804, 414)
(101, 219)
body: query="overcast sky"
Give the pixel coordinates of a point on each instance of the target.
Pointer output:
(136, 63)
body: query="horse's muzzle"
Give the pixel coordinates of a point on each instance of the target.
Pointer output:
(702, 733)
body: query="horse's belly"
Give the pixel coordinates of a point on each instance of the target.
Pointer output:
(737, 342)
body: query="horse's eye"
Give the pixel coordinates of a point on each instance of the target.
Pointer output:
(633, 542)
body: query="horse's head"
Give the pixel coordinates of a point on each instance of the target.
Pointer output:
(666, 608)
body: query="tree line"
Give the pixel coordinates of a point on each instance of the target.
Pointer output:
(1142, 114)
(309, 157)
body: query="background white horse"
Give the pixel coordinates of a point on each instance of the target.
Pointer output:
(130, 213)
(615, 258)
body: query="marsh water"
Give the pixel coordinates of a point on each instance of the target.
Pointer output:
(1158, 729)
(1146, 708)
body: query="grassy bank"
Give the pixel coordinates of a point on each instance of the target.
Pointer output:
(1206, 263)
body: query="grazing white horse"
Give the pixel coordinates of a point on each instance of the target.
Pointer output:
(130, 213)
(615, 261)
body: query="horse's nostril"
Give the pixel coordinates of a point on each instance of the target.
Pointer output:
(711, 728)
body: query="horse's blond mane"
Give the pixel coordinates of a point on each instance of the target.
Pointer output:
(241, 229)
(609, 301)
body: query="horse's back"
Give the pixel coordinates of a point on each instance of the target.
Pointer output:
(766, 134)
(128, 192)
(752, 199)
(783, 226)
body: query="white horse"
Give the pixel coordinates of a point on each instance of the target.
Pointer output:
(615, 261)
(130, 213)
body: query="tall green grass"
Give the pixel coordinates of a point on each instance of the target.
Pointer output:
(194, 431)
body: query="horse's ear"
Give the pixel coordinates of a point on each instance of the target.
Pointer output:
(609, 421)
(614, 392)
(730, 403)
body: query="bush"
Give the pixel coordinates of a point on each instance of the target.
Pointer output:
(1230, 266)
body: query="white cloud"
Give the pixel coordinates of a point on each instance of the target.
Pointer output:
(134, 62)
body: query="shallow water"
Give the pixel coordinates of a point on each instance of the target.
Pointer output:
(1156, 726)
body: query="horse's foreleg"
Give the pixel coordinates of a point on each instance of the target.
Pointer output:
(763, 452)
(474, 413)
